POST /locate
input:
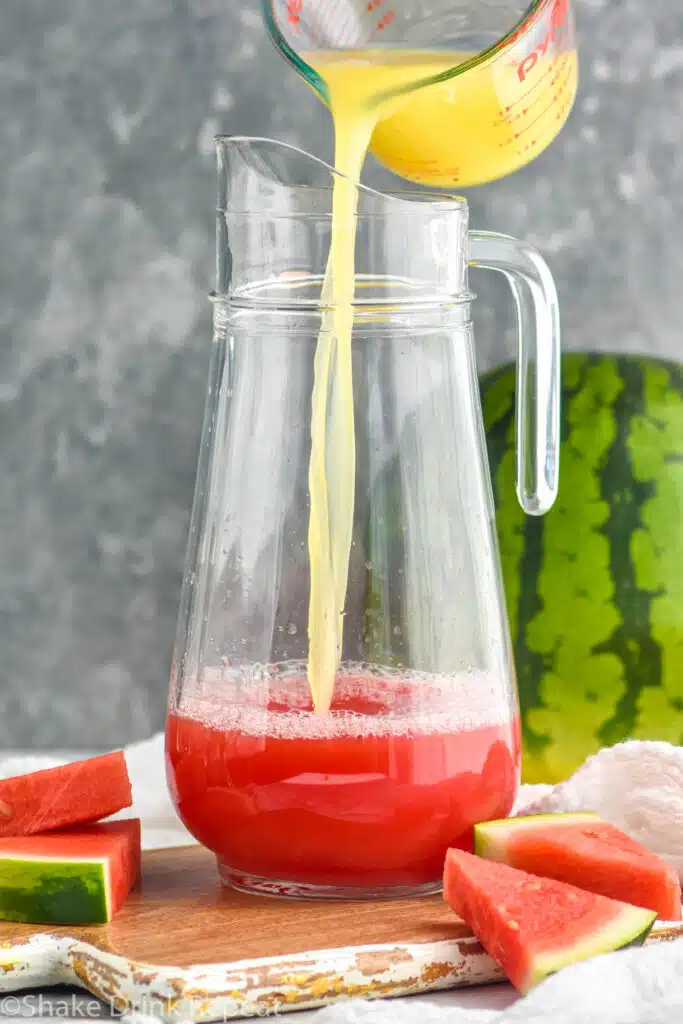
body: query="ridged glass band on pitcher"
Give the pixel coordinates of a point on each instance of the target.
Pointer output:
(422, 737)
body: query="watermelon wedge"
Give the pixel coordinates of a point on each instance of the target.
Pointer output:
(586, 851)
(534, 926)
(74, 876)
(58, 797)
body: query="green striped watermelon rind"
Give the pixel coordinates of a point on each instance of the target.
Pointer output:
(50, 891)
(74, 876)
(630, 928)
(595, 587)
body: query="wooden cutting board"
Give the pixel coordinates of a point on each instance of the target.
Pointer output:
(184, 947)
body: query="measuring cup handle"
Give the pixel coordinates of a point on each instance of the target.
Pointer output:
(538, 363)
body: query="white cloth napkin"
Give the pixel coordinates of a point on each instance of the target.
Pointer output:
(638, 786)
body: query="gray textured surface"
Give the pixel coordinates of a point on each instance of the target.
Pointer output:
(106, 195)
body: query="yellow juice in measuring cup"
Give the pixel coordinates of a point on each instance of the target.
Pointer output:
(474, 127)
(480, 125)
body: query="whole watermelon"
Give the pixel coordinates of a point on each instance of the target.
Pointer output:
(595, 587)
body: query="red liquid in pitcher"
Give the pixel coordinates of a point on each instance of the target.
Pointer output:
(371, 795)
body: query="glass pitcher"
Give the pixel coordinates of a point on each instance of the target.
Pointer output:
(422, 737)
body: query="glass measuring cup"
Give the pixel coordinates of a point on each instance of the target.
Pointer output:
(422, 740)
(502, 81)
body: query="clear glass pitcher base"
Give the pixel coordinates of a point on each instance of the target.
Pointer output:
(255, 885)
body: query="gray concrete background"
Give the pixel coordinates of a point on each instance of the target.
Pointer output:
(106, 253)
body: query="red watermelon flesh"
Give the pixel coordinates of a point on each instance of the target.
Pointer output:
(534, 926)
(69, 795)
(583, 850)
(70, 876)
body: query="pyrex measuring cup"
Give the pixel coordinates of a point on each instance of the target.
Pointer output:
(501, 86)
(422, 738)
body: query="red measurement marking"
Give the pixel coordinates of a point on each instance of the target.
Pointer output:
(538, 93)
(541, 115)
(386, 20)
(561, 111)
(534, 87)
(372, 5)
(294, 12)
(560, 12)
(556, 36)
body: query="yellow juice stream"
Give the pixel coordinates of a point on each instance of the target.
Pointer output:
(352, 80)
(467, 130)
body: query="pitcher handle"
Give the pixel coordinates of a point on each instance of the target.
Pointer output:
(538, 363)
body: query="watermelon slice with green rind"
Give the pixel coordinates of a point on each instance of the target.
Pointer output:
(70, 794)
(532, 926)
(78, 876)
(582, 849)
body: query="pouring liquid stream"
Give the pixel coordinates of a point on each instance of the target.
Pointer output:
(352, 81)
(474, 127)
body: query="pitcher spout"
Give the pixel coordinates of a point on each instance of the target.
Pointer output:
(274, 229)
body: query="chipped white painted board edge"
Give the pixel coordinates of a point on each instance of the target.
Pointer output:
(253, 988)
